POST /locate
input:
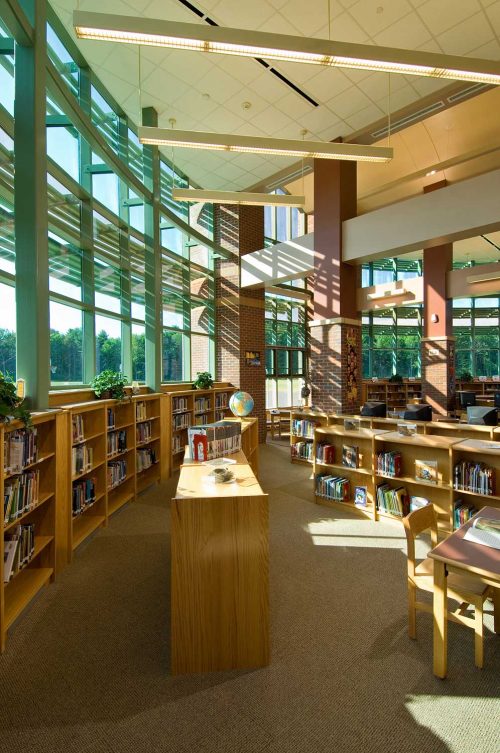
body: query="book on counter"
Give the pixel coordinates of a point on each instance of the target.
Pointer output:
(350, 456)
(485, 531)
(427, 471)
(213, 440)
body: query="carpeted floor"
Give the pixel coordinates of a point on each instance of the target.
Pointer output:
(86, 669)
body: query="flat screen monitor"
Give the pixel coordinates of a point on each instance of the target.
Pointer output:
(476, 414)
(467, 398)
(418, 413)
(497, 399)
(374, 409)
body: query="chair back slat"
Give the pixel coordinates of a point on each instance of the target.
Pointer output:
(416, 523)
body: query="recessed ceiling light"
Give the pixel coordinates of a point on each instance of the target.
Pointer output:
(432, 172)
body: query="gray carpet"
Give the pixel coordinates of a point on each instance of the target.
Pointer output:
(86, 668)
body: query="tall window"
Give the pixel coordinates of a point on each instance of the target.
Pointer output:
(476, 327)
(285, 350)
(391, 342)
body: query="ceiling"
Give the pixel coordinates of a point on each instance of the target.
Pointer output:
(227, 94)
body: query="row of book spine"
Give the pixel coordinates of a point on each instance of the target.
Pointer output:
(117, 442)
(18, 550)
(336, 488)
(84, 494)
(181, 421)
(302, 450)
(202, 419)
(202, 403)
(462, 512)
(77, 428)
(303, 428)
(177, 444)
(393, 501)
(388, 463)
(474, 477)
(20, 449)
(179, 403)
(82, 458)
(110, 418)
(221, 399)
(145, 459)
(117, 472)
(141, 412)
(143, 432)
(325, 452)
(20, 495)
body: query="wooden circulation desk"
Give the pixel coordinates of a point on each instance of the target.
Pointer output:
(220, 571)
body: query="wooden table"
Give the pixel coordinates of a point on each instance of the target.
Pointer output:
(454, 554)
(220, 571)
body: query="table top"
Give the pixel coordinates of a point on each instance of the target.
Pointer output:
(466, 555)
(195, 481)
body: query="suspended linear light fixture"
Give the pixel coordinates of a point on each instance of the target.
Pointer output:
(292, 49)
(237, 197)
(226, 142)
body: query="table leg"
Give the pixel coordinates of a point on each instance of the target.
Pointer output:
(440, 620)
(496, 607)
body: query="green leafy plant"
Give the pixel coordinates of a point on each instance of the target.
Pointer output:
(109, 384)
(396, 378)
(466, 376)
(11, 405)
(203, 381)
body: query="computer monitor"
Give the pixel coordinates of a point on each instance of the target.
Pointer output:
(467, 398)
(497, 399)
(374, 409)
(419, 412)
(476, 414)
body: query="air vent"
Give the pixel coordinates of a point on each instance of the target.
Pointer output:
(276, 73)
(407, 120)
(469, 91)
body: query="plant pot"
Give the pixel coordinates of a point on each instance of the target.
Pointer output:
(106, 395)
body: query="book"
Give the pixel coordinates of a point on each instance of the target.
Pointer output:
(462, 512)
(351, 424)
(417, 502)
(426, 470)
(350, 456)
(485, 531)
(407, 430)
(200, 446)
(360, 494)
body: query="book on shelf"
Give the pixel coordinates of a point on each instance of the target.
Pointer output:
(180, 404)
(20, 495)
(407, 430)
(110, 418)
(485, 531)
(84, 494)
(336, 488)
(462, 512)
(325, 452)
(474, 477)
(221, 400)
(143, 432)
(201, 419)
(427, 471)
(181, 421)
(351, 424)
(20, 449)
(117, 442)
(388, 463)
(82, 458)
(416, 503)
(77, 428)
(222, 438)
(303, 428)
(19, 546)
(141, 412)
(393, 501)
(360, 496)
(302, 450)
(350, 456)
(117, 472)
(145, 459)
(202, 404)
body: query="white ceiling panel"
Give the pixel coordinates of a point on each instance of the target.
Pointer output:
(207, 92)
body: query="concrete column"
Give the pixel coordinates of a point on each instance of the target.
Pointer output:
(438, 343)
(335, 329)
(240, 314)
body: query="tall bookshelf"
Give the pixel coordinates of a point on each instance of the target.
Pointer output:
(39, 476)
(148, 449)
(120, 453)
(360, 475)
(185, 408)
(303, 422)
(395, 394)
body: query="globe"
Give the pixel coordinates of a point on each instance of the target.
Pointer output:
(241, 404)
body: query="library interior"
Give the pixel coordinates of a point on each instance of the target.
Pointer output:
(250, 376)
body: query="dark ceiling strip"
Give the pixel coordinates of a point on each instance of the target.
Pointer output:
(491, 242)
(276, 73)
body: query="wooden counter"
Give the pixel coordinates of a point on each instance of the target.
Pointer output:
(220, 572)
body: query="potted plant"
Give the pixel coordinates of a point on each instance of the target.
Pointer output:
(466, 376)
(203, 381)
(11, 405)
(109, 384)
(396, 378)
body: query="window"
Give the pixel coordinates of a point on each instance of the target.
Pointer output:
(66, 361)
(108, 344)
(7, 329)
(138, 352)
(285, 328)
(172, 357)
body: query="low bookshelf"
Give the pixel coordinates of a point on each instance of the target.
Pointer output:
(33, 542)
(343, 469)
(303, 423)
(120, 458)
(395, 394)
(475, 478)
(148, 439)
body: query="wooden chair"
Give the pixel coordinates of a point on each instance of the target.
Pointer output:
(466, 590)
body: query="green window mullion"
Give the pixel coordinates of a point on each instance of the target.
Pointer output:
(87, 242)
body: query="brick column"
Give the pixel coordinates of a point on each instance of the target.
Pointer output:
(438, 343)
(240, 313)
(335, 330)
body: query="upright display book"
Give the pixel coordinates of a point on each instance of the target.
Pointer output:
(485, 531)
(360, 494)
(417, 502)
(427, 471)
(407, 430)
(351, 424)
(350, 456)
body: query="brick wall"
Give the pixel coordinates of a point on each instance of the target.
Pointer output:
(336, 367)
(438, 373)
(240, 313)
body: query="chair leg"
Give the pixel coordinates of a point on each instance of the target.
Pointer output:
(496, 607)
(479, 636)
(412, 611)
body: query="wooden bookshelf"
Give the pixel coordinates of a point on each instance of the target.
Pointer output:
(304, 438)
(395, 394)
(372, 422)
(249, 440)
(186, 407)
(362, 475)
(148, 416)
(475, 450)
(46, 512)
